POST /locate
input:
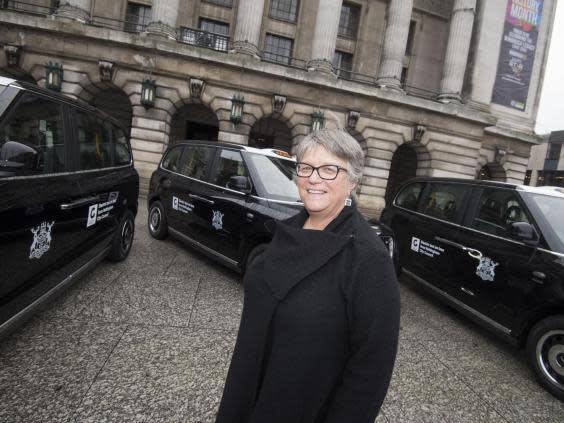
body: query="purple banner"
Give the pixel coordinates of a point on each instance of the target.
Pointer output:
(517, 53)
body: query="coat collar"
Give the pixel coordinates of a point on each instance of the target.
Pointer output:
(295, 253)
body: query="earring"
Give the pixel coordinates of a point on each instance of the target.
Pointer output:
(348, 202)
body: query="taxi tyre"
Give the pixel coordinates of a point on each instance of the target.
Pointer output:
(158, 227)
(253, 254)
(123, 239)
(545, 352)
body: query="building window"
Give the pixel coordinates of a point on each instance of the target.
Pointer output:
(285, 10)
(527, 180)
(410, 38)
(137, 16)
(350, 18)
(553, 152)
(278, 49)
(225, 3)
(342, 63)
(215, 27)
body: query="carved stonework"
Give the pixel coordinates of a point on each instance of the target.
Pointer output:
(418, 132)
(278, 103)
(440, 7)
(105, 70)
(352, 119)
(196, 88)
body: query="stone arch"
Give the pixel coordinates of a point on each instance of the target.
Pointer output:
(18, 73)
(111, 99)
(194, 121)
(271, 132)
(492, 172)
(410, 159)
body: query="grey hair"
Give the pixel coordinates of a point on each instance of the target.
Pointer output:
(339, 143)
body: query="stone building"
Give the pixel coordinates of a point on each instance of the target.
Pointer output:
(546, 164)
(414, 81)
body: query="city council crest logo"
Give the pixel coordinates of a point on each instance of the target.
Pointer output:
(41, 240)
(217, 220)
(486, 269)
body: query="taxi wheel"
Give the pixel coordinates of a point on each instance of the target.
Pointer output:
(545, 351)
(157, 221)
(253, 254)
(123, 239)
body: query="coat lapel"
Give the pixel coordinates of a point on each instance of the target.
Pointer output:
(295, 253)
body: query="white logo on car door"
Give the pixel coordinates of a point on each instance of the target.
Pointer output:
(41, 240)
(217, 220)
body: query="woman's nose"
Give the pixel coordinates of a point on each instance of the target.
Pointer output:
(314, 177)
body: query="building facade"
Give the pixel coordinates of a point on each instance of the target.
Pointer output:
(546, 164)
(419, 83)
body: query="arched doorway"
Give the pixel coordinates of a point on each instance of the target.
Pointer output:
(270, 132)
(194, 122)
(403, 167)
(492, 172)
(116, 103)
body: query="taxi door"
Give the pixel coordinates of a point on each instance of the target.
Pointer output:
(495, 271)
(429, 247)
(38, 233)
(192, 197)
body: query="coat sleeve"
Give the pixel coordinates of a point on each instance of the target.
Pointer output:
(373, 311)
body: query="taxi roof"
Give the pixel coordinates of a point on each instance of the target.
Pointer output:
(272, 152)
(545, 190)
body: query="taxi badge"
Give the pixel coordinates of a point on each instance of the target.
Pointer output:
(217, 220)
(41, 240)
(486, 269)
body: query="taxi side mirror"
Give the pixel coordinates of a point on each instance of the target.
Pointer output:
(524, 232)
(240, 183)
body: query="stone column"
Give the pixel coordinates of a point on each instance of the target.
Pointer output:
(247, 28)
(325, 35)
(163, 18)
(75, 9)
(395, 43)
(456, 58)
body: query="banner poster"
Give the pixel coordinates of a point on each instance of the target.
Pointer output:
(517, 53)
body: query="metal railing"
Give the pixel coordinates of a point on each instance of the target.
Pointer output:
(208, 40)
(196, 37)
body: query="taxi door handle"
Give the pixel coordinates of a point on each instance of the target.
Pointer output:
(80, 202)
(475, 254)
(204, 199)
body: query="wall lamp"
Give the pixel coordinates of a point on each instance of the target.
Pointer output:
(53, 76)
(237, 103)
(317, 120)
(148, 93)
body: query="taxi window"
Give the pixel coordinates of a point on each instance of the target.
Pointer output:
(196, 161)
(409, 196)
(444, 200)
(120, 147)
(496, 210)
(32, 139)
(230, 164)
(170, 162)
(94, 140)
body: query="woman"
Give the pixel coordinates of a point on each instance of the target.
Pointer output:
(318, 333)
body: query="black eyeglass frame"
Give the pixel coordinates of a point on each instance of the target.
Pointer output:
(313, 168)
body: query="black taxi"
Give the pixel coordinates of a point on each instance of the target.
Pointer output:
(494, 251)
(68, 193)
(218, 197)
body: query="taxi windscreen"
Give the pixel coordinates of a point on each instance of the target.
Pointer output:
(274, 177)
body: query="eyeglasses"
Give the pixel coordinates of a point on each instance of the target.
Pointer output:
(327, 172)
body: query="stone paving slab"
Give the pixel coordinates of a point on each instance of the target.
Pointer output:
(150, 340)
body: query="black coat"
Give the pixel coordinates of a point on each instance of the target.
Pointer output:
(319, 329)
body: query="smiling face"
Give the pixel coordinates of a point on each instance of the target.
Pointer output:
(324, 199)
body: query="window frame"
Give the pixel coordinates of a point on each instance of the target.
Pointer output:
(219, 4)
(279, 18)
(276, 55)
(347, 35)
(69, 157)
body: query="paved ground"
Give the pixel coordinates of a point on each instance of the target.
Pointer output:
(150, 339)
